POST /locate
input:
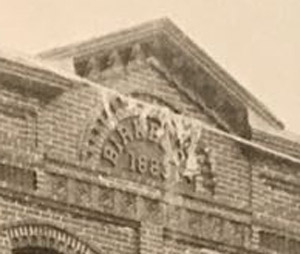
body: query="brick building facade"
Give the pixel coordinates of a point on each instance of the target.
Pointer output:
(139, 143)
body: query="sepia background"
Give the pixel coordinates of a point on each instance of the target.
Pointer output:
(257, 41)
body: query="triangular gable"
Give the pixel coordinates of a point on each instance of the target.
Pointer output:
(177, 58)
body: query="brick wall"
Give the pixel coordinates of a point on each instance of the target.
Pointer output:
(62, 125)
(62, 122)
(112, 213)
(144, 80)
(276, 188)
(232, 169)
(18, 114)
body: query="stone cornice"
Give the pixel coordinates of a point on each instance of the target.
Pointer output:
(31, 77)
(107, 42)
(39, 74)
(155, 29)
(281, 142)
(225, 79)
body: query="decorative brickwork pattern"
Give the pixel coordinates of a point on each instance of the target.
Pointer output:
(152, 211)
(127, 204)
(83, 194)
(216, 228)
(175, 217)
(59, 185)
(106, 198)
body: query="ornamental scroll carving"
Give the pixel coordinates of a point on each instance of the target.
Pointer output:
(146, 144)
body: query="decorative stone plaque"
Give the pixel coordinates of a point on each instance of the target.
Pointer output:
(134, 149)
(147, 145)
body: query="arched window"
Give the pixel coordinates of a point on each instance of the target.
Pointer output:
(35, 238)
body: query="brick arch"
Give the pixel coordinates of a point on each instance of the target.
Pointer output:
(35, 250)
(45, 236)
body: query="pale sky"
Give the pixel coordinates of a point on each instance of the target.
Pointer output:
(256, 41)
